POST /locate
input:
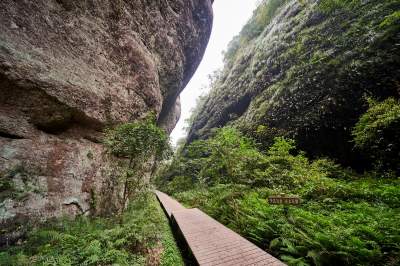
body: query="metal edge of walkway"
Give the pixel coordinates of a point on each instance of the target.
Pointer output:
(210, 242)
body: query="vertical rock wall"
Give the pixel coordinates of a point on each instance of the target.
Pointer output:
(69, 68)
(302, 69)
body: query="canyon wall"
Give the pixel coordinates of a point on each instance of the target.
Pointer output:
(304, 69)
(70, 68)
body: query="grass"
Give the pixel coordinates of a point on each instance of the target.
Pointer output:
(171, 255)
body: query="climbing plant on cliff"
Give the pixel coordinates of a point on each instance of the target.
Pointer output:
(136, 144)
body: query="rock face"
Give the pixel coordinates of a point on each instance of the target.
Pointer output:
(302, 69)
(67, 69)
(169, 121)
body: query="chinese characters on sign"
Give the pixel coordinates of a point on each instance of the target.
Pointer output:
(284, 200)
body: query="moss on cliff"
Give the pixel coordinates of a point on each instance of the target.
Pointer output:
(306, 72)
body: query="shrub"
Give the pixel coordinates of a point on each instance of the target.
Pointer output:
(282, 169)
(227, 157)
(136, 143)
(230, 157)
(180, 183)
(331, 169)
(377, 133)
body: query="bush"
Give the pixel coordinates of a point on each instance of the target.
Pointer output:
(331, 169)
(377, 134)
(229, 157)
(180, 183)
(225, 158)
(282, 169)
(136, 144)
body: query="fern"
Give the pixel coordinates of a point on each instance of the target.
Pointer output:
(97, 241)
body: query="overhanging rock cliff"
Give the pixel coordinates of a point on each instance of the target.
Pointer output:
(67, 69)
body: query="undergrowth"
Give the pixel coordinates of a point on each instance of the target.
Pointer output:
(144, 230)
(328, 230)
(345, 218)
(377, 133)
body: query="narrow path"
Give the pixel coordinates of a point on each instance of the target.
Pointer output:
(211, 242)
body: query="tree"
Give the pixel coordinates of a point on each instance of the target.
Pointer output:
(135, 144)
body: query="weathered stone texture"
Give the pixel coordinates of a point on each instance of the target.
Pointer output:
(69, 68)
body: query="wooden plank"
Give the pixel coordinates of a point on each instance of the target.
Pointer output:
(211, 242)
(168, 203)
(214, 244)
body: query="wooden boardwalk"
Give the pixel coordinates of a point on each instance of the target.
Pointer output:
(211, 242)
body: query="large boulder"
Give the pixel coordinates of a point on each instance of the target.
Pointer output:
(70, 68)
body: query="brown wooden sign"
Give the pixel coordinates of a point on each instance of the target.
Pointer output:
(284, 200)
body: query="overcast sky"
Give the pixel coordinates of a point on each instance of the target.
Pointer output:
(229, 18)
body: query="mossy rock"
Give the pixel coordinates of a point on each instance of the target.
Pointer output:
(306, 74)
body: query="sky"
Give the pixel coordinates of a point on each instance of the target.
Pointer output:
(229, 18)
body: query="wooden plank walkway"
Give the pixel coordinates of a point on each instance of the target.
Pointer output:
(169, 204)
(211, 242)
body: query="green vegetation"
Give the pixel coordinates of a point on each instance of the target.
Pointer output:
(391, 20)
(329, 6)
(306, 79)
(345, 218)
(136, 233)
(136, 144)
(377, 133)
(332, 229)
(171, 255)
(141, 238)
(301, 71)
(303, 75)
